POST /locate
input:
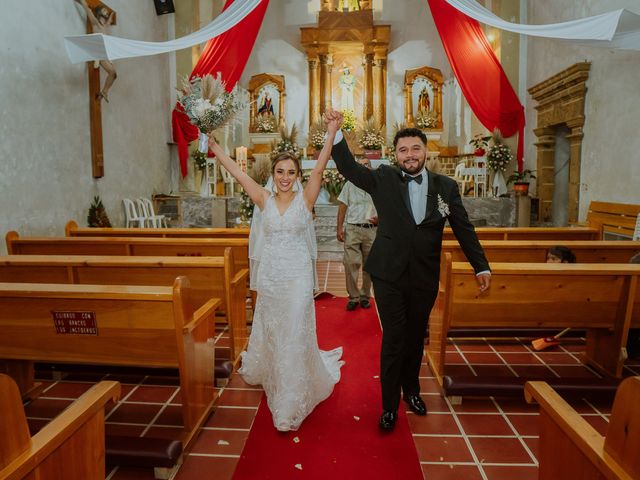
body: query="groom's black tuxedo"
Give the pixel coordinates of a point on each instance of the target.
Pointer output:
(404, 263)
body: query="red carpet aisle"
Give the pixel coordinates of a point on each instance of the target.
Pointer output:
(340, 439)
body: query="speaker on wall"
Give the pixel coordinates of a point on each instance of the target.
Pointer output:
(164, 6)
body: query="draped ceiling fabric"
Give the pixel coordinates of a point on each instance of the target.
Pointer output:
(96, 46)
(615, 29)
(227, 54)
(479, 73)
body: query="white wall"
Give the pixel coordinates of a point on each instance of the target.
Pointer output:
(611, 145)
(45, 152)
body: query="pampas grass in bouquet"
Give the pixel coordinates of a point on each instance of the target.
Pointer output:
(208, 105)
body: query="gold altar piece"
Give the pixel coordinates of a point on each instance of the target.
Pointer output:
(423, 95)
(266, 95)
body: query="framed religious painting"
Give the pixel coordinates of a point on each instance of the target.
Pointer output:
(266, 95)
(423, 98)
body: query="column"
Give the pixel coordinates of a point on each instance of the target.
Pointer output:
(314, 90)
(380, 82)
(575, 145)
(408, 105)
(545, 181)
(367, 63)
(325, 82)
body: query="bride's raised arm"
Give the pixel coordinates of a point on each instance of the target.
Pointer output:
(256, 192)
(312, 189)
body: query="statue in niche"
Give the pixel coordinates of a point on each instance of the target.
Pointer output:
(424, 104)
(347, 84)
(351, 5)
(266, 106)
(100, 20)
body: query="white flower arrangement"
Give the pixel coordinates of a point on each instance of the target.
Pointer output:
(371, 136)
(333, 181)
(207, 103)
(443, 207)
(499, 157)
(426, 119)
(246, 207)
(287, 142)
(265, 122)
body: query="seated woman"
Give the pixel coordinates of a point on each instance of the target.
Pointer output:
(560, 254)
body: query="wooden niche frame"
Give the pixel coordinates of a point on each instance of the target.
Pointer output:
(256, 84)
(435, 78)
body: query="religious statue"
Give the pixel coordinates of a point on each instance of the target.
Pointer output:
(99, 21)
(266, 106)
(347, 84)
(424, 104)
(351, 5)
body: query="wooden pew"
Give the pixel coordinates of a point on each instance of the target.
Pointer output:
(535, 251)
(570, 447)
(114, 325)
(210, 277)
(129, 246)
(71, 446)
(72, 229)
(557, 234)
(602, 299)
(617, 219)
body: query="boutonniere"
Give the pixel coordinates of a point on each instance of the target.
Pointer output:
(443, 207)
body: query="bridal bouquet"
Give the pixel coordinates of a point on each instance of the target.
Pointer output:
(208, 104)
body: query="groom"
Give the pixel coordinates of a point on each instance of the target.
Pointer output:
(404, 263)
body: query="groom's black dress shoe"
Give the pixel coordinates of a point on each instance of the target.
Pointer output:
(416, 405)
(388, 420)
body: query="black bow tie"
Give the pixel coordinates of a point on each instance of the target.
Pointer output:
(409, 178)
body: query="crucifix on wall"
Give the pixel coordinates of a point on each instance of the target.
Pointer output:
(99, 17)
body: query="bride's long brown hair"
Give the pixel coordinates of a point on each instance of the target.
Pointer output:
(285, 156)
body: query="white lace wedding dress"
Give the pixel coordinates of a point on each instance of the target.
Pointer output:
(283, 354)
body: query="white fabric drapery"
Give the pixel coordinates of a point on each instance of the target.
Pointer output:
(96, 46)
(615, 29)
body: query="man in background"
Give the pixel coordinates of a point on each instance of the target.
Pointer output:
(358, 235)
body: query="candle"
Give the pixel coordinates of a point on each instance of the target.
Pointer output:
(383, 152)
(304, 152)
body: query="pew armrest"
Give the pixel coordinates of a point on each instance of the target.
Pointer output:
(62, 428)
(200, 315)
(240, 276)
(575, 429)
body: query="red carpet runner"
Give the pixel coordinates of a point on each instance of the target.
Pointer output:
(333, 443)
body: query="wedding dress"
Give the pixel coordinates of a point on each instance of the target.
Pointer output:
(283, 354)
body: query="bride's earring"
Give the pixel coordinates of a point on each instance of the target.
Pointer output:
(274, 189)
(295, 188)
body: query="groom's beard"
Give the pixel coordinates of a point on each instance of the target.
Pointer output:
(413, 168)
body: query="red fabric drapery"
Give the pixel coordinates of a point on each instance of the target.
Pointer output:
(479, 73)
(228, 54)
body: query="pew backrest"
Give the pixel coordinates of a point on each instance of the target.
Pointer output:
(73, 230)
(557, 234)
(613, 219)
(535, 251)
(209, 277)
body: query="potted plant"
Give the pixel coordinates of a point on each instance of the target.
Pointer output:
(521, 181)
(480, 143)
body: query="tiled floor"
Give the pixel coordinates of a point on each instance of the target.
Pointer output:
(480, 439)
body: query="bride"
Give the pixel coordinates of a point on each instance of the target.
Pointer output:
(283, 354)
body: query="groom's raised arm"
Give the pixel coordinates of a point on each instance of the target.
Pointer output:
(359, 175)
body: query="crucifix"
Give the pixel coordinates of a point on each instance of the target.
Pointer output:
(99, 16)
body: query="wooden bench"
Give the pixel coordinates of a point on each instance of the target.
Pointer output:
(535, 251)
(570, 447)
(145, 326)
(71, 446)
(209, 277)
(130, 246)
(602, 299)
(557, 234)
(72, 229)
(613, 219)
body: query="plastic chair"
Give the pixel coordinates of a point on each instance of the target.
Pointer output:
(461, 178)
(150, 220)
(160, 219)
(480, 176)
(131, 214)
